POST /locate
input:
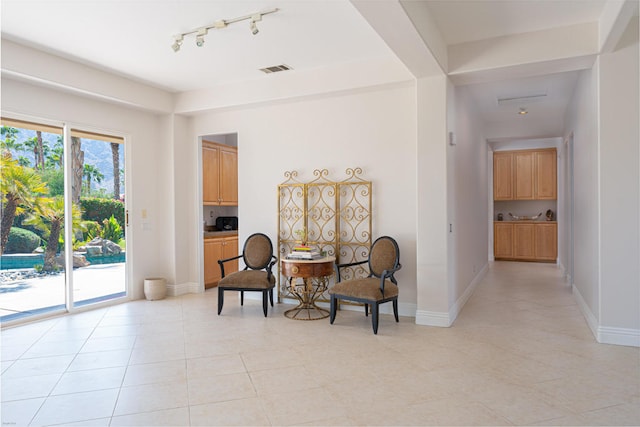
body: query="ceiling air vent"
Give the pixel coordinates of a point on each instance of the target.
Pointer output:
(276, 69)
(522, 99)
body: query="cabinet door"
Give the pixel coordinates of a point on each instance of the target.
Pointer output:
(523, 241)
(230, 249)
(524, 175)
(502, 176)
(502, 240)
(212, 253)
(546, 171)
(546, 242)
(228, 177)
(210, 175)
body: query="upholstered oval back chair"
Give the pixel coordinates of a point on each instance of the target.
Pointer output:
(258, 258)
(378, 287)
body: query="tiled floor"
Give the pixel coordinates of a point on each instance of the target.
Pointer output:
(520, 353)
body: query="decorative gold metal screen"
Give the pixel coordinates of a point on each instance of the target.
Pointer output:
(334, 215)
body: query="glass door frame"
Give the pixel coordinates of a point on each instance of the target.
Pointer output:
(69, 306)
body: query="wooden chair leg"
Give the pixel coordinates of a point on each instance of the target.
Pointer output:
(374, 317)
(241, 297)
(366, 310)
(220, 299)
(332, 309)
(265, 302)
(271, 296)
(395, 309)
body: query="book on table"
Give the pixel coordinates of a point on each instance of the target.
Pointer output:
(304, 253)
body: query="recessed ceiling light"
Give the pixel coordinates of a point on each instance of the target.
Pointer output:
(523, 111)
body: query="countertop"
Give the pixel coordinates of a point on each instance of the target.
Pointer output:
(526, 221)
(223, 233)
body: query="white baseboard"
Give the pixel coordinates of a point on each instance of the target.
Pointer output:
(586, 311)
(606, 334)
(433, 318)
(184, 288)
(618, 336)
(457, 307)
(442, 319)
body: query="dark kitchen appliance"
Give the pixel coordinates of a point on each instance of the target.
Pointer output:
(225, 223)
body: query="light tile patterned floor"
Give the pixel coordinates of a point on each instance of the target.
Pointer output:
(520, 353)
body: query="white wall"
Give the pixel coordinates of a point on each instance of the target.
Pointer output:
(373, 129)
(469, 199)
(620, 187)
(433, 210)
(603, 116)
(582, 120)
(147, 178)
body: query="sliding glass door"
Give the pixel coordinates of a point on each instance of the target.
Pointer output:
(63, 219)
(100, 246)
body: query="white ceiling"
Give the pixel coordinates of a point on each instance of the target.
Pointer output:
(133, 38)
(464, 21)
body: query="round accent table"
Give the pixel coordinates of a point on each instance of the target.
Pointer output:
(315, 276)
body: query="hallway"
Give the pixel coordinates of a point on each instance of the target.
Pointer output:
(520, 353)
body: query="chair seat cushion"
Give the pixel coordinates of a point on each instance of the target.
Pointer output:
(248, 279)
(366, 288)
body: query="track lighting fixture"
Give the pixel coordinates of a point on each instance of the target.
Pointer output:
(203, 31)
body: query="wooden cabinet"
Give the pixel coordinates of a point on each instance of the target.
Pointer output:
(219, 248)
(546, 175)
(503, 240)
(502, 176)
(525, 175)
(219, 174)
(546, 242)
(525, 241)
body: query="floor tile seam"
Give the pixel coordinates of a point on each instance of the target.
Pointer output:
(540, 396)
(126, 366)
(495, 413)
(35, 341)
(567, 401)
(603, 408)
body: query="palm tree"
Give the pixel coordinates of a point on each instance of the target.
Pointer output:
(55, 155)
(91, 172)
(115, 156)
(20, 186)
(77, 166)
(35, 144)
(10, 142)
(48, 216)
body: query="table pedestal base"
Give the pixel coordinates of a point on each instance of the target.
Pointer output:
(307, 312)
(307, 281)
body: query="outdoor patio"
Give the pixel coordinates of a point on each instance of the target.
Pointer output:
(34, 294)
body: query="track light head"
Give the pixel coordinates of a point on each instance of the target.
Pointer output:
(177, 43)
(200, 36)
(254, 28)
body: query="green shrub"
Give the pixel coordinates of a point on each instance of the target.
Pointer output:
(111, 230)
(55, 181)
(93, 230)
(21, 241)
(95, 209)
